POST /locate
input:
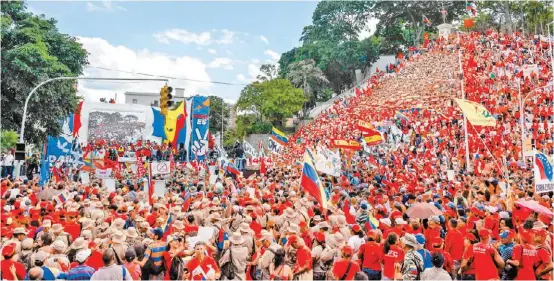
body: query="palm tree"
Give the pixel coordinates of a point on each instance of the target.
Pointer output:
(307, 75)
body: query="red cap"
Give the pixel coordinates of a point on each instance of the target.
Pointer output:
(8, 250)
(470, 237)
(356, 228)
(302, 224)
(292, 239)
(483, 233)
(319, 236)
(347, 250)
(526, 236)
(540, 232)
(372, 233)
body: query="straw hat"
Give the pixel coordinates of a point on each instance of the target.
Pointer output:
(19, 230)
(341, 221)
(79, 243)
(236, 238)
(293, 228)
(118, 223)
(178, 225)
(245, 227)
(289, 213)
(118, 237)
(57, 228)
(131, 232)
(323, 224)
(59, 246)
(86, 234)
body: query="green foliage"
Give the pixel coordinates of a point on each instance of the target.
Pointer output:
(218, 108)
(249, 124)
(306, 75)
(33, 50)
(9, 139)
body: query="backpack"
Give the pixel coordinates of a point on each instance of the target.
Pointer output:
(228, 268)
(176, 269)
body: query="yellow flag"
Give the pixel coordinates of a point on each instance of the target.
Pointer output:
(171, 121)
(476, 113)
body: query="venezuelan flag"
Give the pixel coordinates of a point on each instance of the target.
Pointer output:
(279, 136)
(310, 180)
(372, 223)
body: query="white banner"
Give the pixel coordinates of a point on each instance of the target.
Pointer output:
(127, 159)
(544, 177)
(85, 178)
(274, 147)
(109, 184)
(161, 168)
(327, 161)
(159, 188)
(103, 174)
(249, 149)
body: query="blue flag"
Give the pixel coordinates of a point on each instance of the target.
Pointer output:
(158, 124)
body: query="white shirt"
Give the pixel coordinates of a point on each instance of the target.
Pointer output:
(8, 160)
(355, 242)
(434, 273)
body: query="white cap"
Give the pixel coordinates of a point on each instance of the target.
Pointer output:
(82, 255)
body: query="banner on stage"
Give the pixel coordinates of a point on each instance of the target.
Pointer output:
(544, 177)
(127, 159)
(161, 168)
(103, 174)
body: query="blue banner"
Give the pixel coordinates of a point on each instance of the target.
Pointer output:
(200, 128)
(63, 152)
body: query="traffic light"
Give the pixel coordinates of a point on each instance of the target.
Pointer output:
(165, 99)
(20, 151)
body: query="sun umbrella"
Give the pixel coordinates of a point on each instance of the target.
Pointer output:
(423, 211)
(535, 206)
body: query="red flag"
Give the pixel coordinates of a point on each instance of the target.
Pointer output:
(171, 162)
(350, 219)
(211, 141)
(358, 92)
(469, 23)
(263, 169)
(77, 119)
(186, 205)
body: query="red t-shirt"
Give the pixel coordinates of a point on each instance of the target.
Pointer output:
(6, 274)
(483, 260)
(372, 255)
(340, 267)
(205, 265)
(303, 258)
(394, 255)
(95, 260)
(527, 256)
(454, 244)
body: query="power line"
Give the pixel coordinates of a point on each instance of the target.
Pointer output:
(169, 77)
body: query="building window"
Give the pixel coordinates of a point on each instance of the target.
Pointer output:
(155, 103)
(134, 101)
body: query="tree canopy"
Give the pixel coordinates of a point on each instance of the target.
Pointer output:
(33, 50)
(218, 108)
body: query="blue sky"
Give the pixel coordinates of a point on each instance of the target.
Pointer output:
(209, 41)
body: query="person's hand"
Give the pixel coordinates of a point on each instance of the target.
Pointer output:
(12, 269)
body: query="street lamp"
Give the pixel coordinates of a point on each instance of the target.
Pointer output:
(522, 112)
(21, 135)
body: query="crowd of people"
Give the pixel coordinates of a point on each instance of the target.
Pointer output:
(410, 208)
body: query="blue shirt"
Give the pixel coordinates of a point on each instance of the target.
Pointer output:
(506, 251)
(426, 255)
(81, 272)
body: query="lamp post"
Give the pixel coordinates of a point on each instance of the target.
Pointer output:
(21, 134)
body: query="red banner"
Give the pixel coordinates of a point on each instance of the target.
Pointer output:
(347, 144)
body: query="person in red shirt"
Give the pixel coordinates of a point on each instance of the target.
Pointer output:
(371, 256)
(303, 267)
(484, 257)
(434, 230)
(524, 257)
(201, 266)
(544, 267)
(345, 268)
(8, 265)
(454, 245)
(393, 256)
(71, 226)
(437, 248)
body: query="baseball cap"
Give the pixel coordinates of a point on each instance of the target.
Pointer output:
(8, 250)
(506, 234)
(470, 237)
(347, 250)
(82, 255)
(483, 233)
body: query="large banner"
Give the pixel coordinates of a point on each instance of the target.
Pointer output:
(274, 146)
(123, 127)
(544, 175)
(327, 161)
(63, 152)
(200, 128)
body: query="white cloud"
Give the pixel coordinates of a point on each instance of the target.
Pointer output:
(216, 36)
(225, 63)
(255, 61)
(263, 38)
(253, 71)
(105, 55)
(212, 51)
(228, 52)
(369, 29)
(107, 6)
(272, 54)
(241, 78)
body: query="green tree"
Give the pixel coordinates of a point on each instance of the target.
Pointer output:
(9, 139)
(280, 99)
(267, 72)
(33, 50)
(219, 108)
(250, 100)
(306, 75)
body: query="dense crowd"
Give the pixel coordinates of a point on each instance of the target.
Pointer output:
(410, 208)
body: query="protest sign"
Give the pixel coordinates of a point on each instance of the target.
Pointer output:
(161, 168)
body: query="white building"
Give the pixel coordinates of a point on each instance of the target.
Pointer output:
(152, 99)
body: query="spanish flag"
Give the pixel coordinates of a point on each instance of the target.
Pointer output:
(365, 126)
(279, 136)
(373, 137)
(476, 113)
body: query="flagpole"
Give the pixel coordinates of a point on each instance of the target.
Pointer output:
(463, 97)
